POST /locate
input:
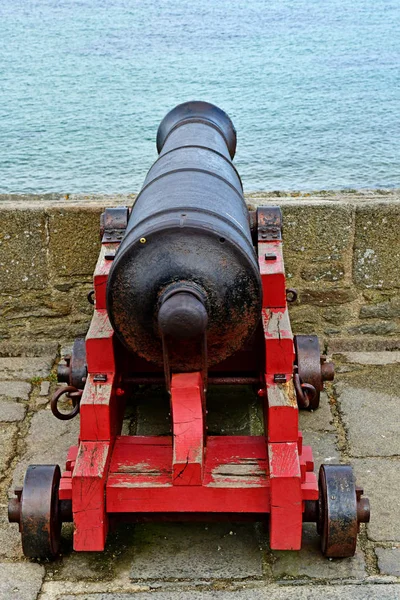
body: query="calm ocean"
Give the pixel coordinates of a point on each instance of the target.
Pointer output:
(312, 86)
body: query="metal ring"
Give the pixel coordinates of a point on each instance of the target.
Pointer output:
(291, 295)
(305, 392)
(75, 396)
(90, 297)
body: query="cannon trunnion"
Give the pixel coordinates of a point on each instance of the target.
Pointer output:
(189, 291)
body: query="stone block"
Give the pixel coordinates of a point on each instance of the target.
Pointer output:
(195, 551)
(304, 316)
(376, 328)
(329, 296)
(21, 367)
(20, 581)
(380, 479)
(362, 344)
(382, 310)
(373, 358)
(14, 389)
(44, 388)
(377, 246)
(372, 421)
(23, 249)
(36, 348)
(389, 561)
(62, 328)
(34, 305)
(337, 315)
(310, 563)
(11, 411)
(74, 240)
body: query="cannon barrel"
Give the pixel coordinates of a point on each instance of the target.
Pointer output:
(186, 266)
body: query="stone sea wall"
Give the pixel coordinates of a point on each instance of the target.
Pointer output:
(342, 254)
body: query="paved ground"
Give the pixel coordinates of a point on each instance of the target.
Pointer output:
(359, 421)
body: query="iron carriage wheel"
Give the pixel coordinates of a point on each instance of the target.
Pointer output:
(337, 521)
(40, 518)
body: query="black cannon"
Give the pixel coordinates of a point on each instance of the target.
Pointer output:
(187, 265)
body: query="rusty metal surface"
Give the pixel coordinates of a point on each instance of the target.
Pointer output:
(74, 395)
(327, 370)
(39, 516)
(305, 392)
(311, 370)
(340, 510)
(269, 220)
(78, 364)
(113, 222)
(74, 371)
(291, 295)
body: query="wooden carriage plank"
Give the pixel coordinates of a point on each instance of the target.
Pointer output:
(88, 496)
(187, 410)
(286, 496)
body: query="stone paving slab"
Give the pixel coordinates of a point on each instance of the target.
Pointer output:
(10, 539)
(273, 592)
(20, 581)
(317, 420)
(372, 420)
(14, 389)
(7, 450)
(309, 562)
(21, 367)
(373, 358)
(380, 478)
(48, 442)
(11, 412)
(389, 561)
(195, 551)
(323, 446)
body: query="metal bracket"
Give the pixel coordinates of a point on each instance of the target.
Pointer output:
(269, 223)
(113, 223)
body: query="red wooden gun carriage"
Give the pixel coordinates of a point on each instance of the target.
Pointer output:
(190, 291)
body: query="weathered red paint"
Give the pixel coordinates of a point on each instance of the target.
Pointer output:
(100, 344)
(272, 275)
(187, 411)
(141, 477)
(88, 496)
(286, 496)
(282, 415)
(101, 274)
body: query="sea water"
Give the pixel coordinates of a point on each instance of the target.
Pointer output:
(312, 86)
